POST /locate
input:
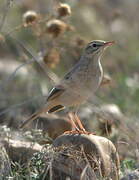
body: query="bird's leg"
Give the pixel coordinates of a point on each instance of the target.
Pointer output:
(78, 122)
(78, 129)
(82, 129)
(71, 118)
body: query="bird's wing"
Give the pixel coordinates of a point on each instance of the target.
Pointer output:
(71, 72)
(59, 89)
(55, 92)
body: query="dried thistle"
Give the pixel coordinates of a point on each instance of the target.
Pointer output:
(63, 10)
(56, 27)
(80, 42)
(52, 58)
(30, 17)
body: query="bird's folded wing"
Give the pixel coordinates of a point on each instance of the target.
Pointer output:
(55, 92)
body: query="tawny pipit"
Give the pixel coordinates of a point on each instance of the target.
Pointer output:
(78, 85)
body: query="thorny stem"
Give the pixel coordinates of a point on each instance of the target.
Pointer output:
(28, 51)
(18, 27)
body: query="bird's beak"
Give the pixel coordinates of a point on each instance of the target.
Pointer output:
(109, 43)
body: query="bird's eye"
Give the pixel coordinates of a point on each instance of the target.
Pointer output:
(94, 45)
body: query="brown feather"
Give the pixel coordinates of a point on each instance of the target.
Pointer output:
(54, 93)
(56, 108)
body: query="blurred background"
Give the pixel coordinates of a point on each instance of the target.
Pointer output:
(56, 32)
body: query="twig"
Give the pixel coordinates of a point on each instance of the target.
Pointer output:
(20, 104)
(13, 74)
(5, 12)
(28, 51)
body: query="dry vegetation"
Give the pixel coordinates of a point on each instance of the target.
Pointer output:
(39, 42)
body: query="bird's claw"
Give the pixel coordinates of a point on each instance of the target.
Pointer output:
(79, 132)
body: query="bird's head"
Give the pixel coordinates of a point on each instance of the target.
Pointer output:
(97, 47)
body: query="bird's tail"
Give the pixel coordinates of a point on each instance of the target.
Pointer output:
(50, 108)
(33, 117)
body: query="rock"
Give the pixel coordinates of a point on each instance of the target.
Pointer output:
(20, 151)
(89, 156)
(5, 166)
(109, 118)
(53, 125)
(112, 113)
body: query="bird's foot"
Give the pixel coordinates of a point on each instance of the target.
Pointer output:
(83, 131)
(72, 132)
(87, 132)
(79, 132)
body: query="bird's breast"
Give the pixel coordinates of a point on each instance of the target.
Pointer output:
(84, 82)
(92, 76)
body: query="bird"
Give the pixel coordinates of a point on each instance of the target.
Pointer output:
(77, 86)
